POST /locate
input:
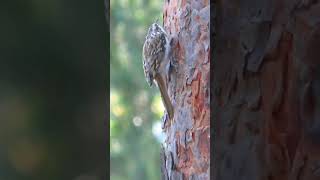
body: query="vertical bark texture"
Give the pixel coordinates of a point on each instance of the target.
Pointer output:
(186, 154)
(266, 96)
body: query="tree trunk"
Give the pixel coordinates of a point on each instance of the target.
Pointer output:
(186, 153)
(266, 96)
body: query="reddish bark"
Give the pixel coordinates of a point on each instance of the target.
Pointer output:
(266, 96)
(187, 154)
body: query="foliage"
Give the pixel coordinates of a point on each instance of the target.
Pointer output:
(135, 108)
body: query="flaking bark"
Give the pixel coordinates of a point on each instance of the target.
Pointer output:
(187, 148)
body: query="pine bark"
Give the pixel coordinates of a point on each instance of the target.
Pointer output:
(266, 90)
(186, 153)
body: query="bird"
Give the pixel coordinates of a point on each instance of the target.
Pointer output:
(155, 60)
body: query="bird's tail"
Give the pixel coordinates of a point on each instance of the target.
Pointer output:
(164, 95)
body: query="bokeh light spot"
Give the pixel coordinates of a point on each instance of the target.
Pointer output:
(157, 106)
(157, 131)
(137, 121)
(115, 146)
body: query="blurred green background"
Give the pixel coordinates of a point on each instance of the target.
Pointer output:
(136, 109)
(53, 90)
